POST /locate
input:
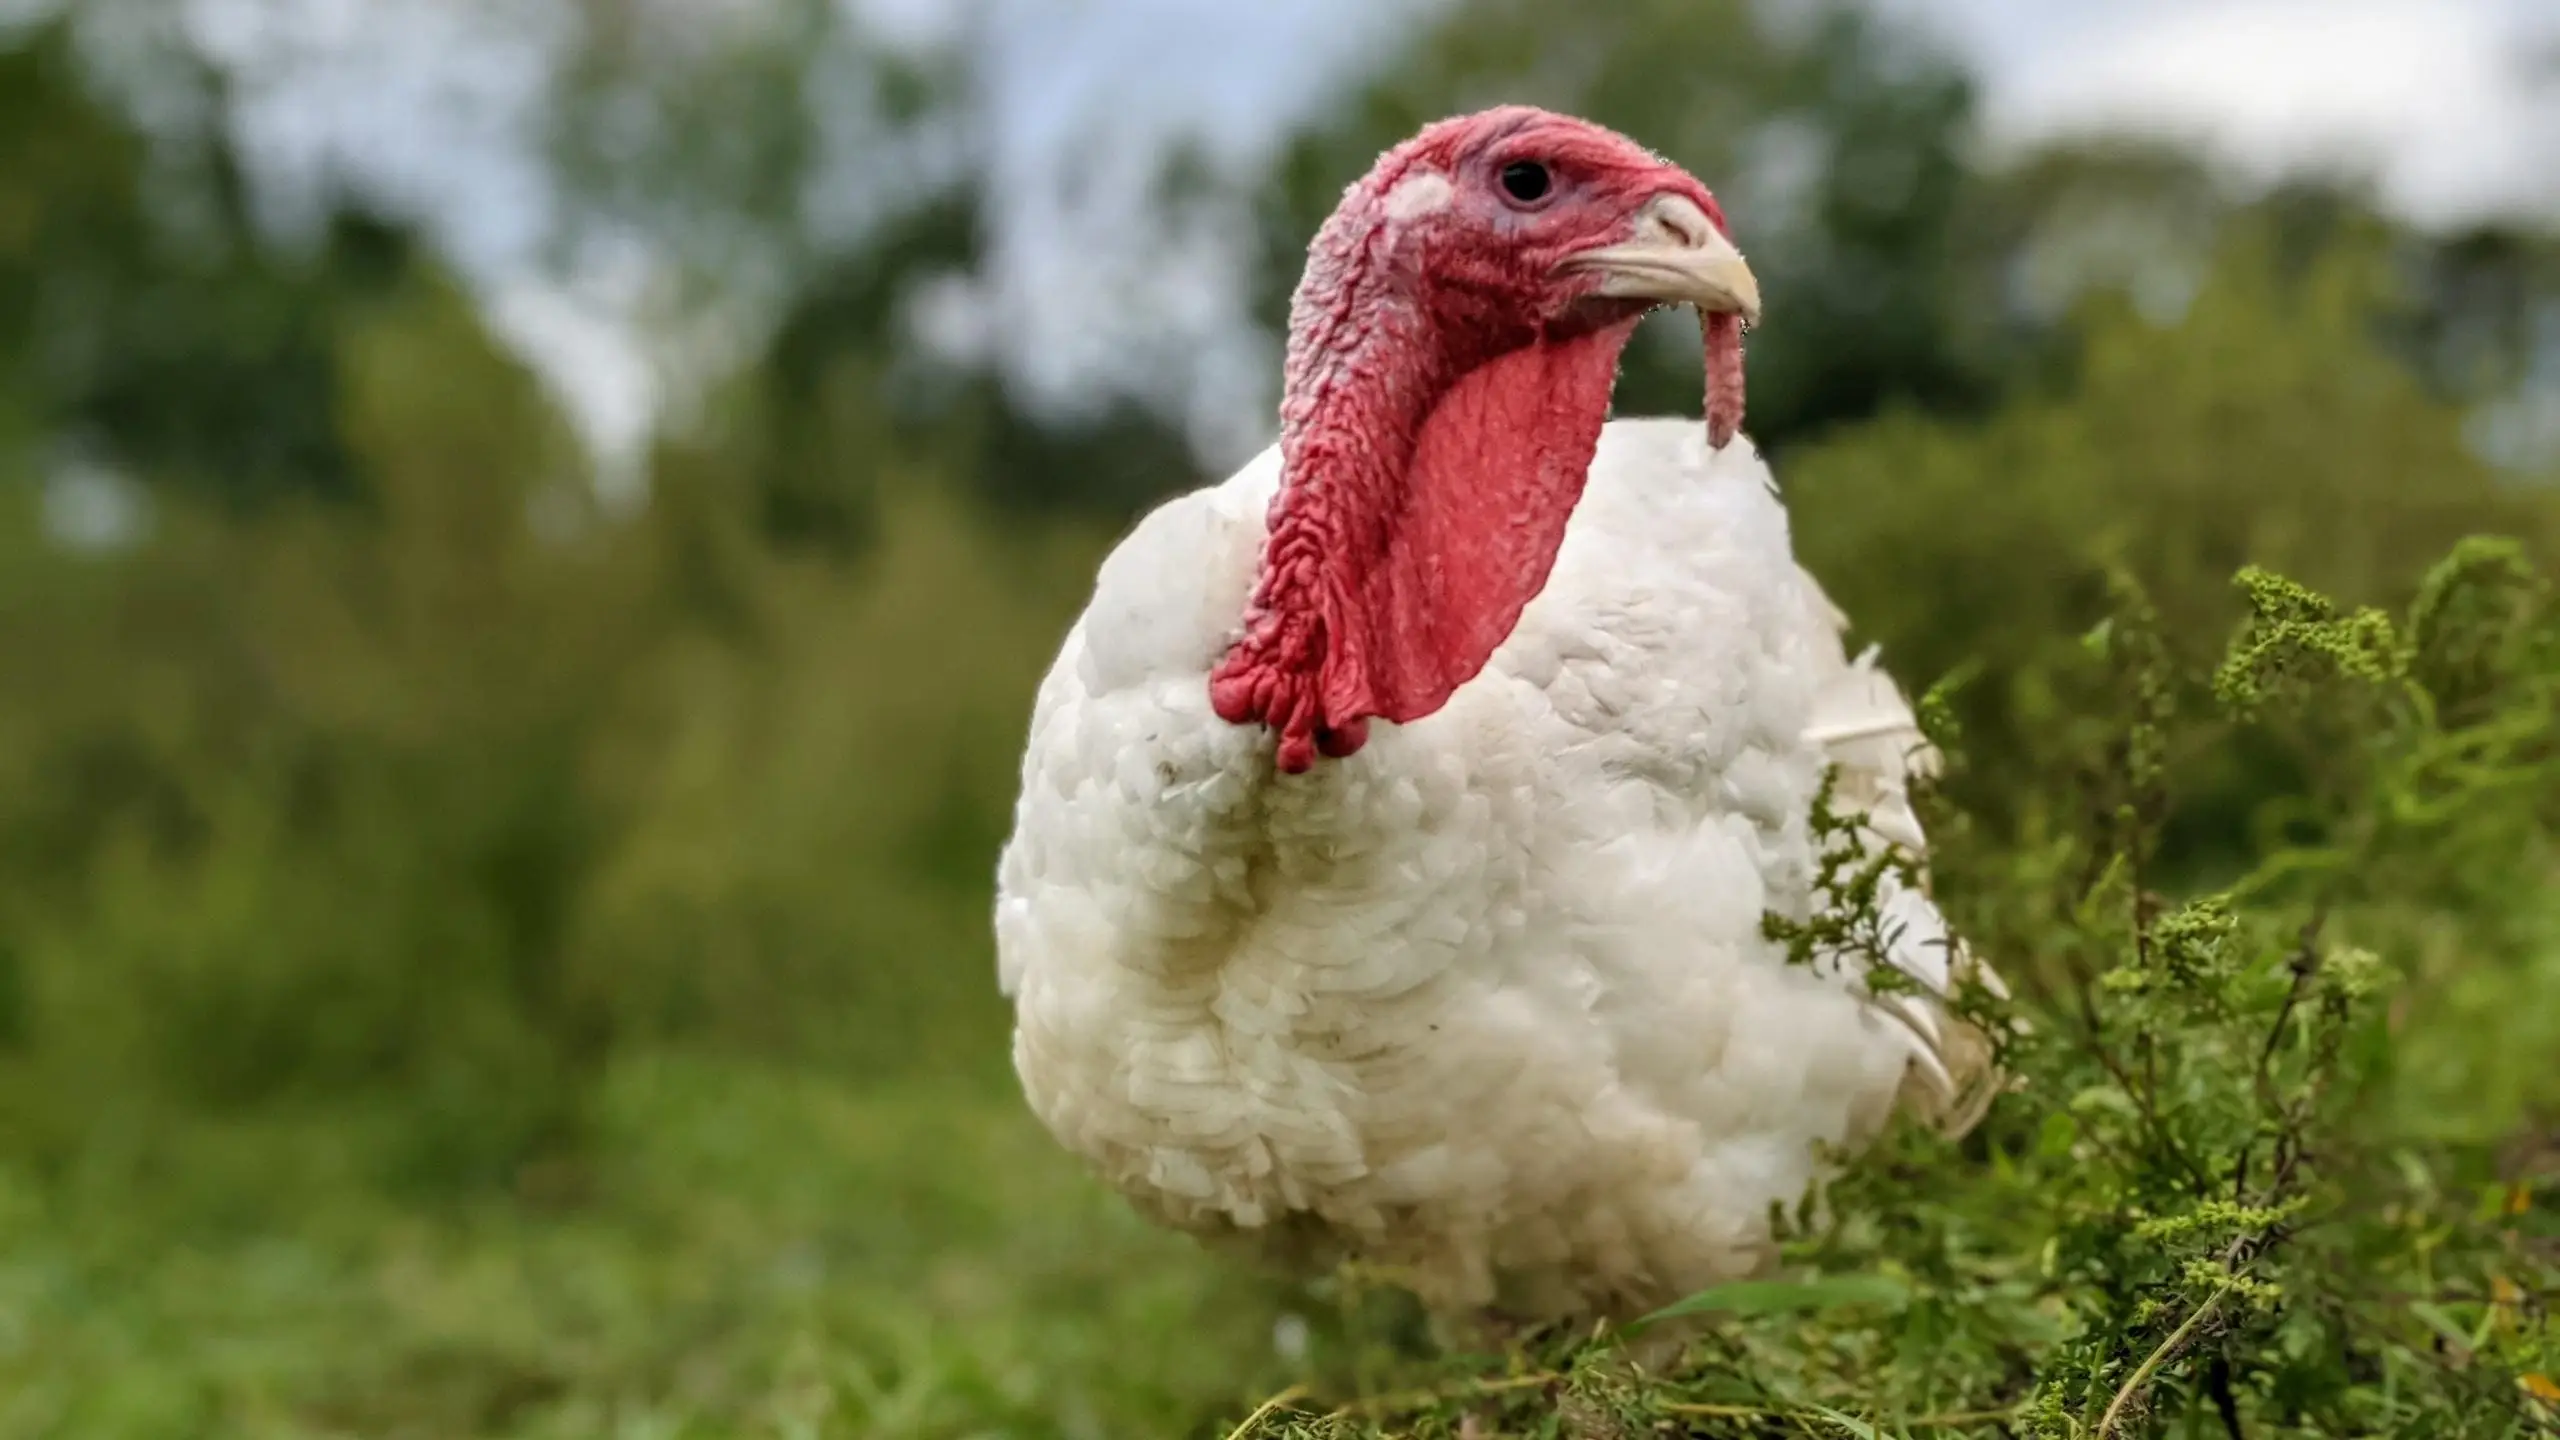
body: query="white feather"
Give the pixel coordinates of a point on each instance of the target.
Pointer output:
(1488, 1003)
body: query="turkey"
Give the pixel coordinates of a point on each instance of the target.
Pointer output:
(1398, 821)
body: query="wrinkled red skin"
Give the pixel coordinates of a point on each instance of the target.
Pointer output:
(1444, 395)
(1723, 336)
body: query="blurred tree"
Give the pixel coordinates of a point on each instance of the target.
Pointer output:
(699, 135)
(808, 182)
(1833, 137)
(2261, 422)
(1898, 272)
(295, 808)
(847, 336)
(2041, 233)
(2480, 319)
(143, 317)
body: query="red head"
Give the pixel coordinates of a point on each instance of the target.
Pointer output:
(1451, 350)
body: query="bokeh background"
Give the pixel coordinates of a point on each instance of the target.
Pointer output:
(528, 529)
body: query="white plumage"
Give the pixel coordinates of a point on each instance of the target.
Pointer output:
(1486, 1004)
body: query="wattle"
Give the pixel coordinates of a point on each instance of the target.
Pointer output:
(1385, 587)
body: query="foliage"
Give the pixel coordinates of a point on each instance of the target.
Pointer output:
(740, 1249)
(2264, 425)
(142, 316)
(2213, 1200)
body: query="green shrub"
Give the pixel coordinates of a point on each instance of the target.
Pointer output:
(2257, 1174)
(2263, 426)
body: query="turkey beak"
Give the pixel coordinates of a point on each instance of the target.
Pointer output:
(1677, 256)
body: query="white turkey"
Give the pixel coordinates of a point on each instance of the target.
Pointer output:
(1398, 821)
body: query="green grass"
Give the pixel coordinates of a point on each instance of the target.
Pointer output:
(745, 1252)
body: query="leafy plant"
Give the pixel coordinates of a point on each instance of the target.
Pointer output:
(2214, 1203)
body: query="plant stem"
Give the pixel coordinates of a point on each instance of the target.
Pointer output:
(2143, 1372)
(1263, 1411)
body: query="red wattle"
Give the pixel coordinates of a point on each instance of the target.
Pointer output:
(1723, 335)
(1383, 592)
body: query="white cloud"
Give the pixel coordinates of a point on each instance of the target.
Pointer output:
(2441, 101)
(430, 107)
(580, 338)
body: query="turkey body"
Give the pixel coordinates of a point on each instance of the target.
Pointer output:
(1488, 1003)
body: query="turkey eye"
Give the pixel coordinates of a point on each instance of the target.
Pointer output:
(1524, 181)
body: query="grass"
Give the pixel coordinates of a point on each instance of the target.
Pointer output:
(748, 1252)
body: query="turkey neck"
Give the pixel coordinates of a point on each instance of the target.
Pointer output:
(1361, 375)
(1429, 464)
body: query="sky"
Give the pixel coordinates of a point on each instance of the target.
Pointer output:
(2453, 107)
(2454, 104)
(2439, 101)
